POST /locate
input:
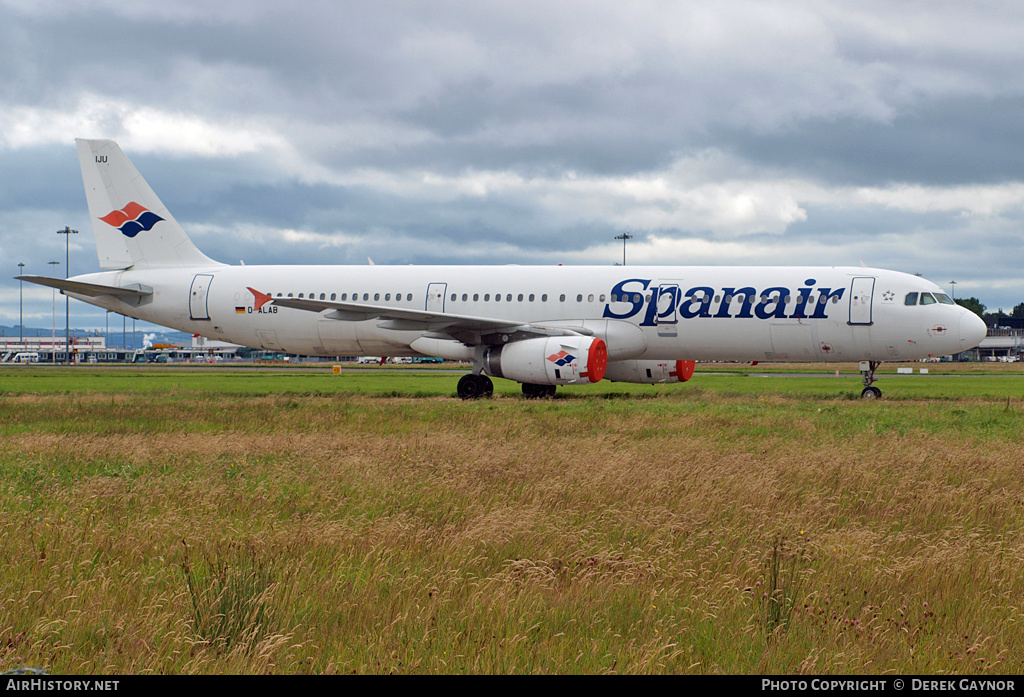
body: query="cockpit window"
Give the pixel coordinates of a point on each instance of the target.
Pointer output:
(911, 299)
(927, 299)
(944, 299)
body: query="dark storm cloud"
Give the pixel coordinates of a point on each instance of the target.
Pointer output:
(941, 142)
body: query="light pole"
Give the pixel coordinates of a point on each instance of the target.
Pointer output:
(952, 288)
(624, 236)
(21, 302)
(53, 293)
(67, 232)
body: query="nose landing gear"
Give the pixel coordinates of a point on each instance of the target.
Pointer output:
(867, 369)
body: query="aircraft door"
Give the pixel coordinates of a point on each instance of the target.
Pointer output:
(268, 339)
(197, 298)
(861, 291)
(667, 314)
(435, 297)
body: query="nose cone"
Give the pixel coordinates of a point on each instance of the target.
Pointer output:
(972, 330)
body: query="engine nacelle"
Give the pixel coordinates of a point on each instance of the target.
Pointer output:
(557, 360)
(650, 372)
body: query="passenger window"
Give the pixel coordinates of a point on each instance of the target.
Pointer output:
(454, 297)
(409, 297)
(544, 298)
(520, 297)
(927, 299)
(465, 297)
(531, 297)
(344, 296)
(476, 297)
(366, 296)
(561, 298)
(300, 295)
(487, 297)
(334, 296)
(601, 298)
(579, 298)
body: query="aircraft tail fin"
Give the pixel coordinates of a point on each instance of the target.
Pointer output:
(131, 225)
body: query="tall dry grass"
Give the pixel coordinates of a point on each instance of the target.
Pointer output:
(691, 532)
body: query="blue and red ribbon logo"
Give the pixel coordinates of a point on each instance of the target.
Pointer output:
(132, 219)
(562, 358)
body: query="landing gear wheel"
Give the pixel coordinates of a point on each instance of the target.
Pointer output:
(531, 391)
(867, 370)
(871, 393)
(475, 386)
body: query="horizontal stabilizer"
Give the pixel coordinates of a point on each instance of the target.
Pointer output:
(135, 291)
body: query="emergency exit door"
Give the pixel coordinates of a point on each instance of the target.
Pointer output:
(197, 297)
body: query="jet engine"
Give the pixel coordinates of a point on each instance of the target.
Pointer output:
(557, 360)
(649, 372)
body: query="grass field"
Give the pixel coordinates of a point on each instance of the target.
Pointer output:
(205, 521)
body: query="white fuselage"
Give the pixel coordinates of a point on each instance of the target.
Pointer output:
(650, 312)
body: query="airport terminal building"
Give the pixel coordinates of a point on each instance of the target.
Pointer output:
(94, 349)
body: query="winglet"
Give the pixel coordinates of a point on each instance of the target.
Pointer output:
(261, 298)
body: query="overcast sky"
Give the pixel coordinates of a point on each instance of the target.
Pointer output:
(725, 132)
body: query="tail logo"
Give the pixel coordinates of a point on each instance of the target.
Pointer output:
(132, 219)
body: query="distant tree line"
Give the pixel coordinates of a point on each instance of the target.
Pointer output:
(978, 308)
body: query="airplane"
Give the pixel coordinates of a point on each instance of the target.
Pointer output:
(542, 326)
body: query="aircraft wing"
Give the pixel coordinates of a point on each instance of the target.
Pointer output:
(466, 328)
(135, 291)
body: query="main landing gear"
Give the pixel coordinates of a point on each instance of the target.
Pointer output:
(867, 369)
(538, 391)
(475, 386)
